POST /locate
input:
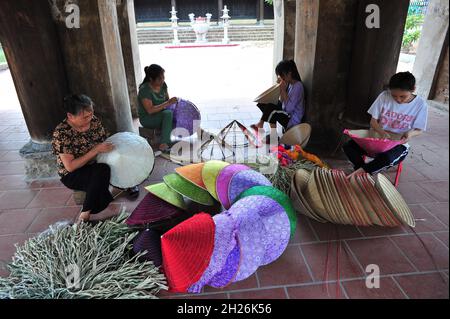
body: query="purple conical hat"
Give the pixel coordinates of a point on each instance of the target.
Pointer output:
(152, 209)
(250, 233)
(150, 241)
(223, 181)
(224, 242)
(275, 220)
(229, 271)
(243, 180)
(184, 115)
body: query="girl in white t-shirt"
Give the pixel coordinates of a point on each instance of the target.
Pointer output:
(395, 111)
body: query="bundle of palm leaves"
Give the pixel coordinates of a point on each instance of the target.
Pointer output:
(82, 261)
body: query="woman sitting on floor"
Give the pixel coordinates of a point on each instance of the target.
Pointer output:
(396, 111)
(291, 107)
(76, 142)
(153, 100)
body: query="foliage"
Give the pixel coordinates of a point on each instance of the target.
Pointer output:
(413, 29)
(269, 2)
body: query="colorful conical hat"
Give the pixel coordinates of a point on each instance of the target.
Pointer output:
(275, 220)
(278, 196)
(209, 175)
(228, 273)
(187, 249)
(163, 191)
(223, 181)
(192, 173)
(251, 239)
(187, 189)
(243, 180)
(150, 242)
(224, 242)
(152, 209)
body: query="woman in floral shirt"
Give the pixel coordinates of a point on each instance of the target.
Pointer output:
(76, 142)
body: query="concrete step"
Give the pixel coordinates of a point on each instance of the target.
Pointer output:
(187, 35)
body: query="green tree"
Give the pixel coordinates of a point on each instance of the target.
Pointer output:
(269, 2)
(413, 29)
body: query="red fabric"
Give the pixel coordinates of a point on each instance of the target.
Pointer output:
(187, 249)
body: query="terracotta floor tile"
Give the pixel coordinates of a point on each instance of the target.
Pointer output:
(413, 248)
(7, 248)
(16, 199)
(318, 291)
(12, 182)
(414, 194)
(381, 252)
(330, 231)
(11, 156)
(49, 216)
(276, 293)
(17, 221)
(425, 221)
(12, 168)
(289, 269)
(439, 210)
(52, 197)
(443, 237)
(357, 289)
(435, 172)
(316, 257)
(303, 231)
(375, 231)
(47, 183)
(249, 283)
(437, 190)
(425, 286)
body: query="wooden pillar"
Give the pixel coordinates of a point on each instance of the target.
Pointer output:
(260, 11)
(278, 34)
(94, 60)
(324, 38)
(289, 29)
(375, 57)
(219, 10)
(30, 42)
(130, 50)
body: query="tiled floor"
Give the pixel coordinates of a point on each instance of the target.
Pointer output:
(407, 268)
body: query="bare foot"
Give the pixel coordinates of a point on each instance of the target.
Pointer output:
(84, 217)
(359, 171)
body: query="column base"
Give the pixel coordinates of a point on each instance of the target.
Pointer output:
(40, 162)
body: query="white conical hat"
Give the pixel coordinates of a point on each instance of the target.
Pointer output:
(131, 161)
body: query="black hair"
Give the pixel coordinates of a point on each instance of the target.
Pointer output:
(404, 81)
(152, 72)
(76, 103)
(286, 66)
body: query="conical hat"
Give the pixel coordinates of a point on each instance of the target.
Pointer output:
(298, 186)
(243, 180)
(271, 95)
(131, 161)
(223, 182)
(297, 135)
(229, 271)
(369, 210)
(209, 175)
(187, 250)
(162, 191)
(278, 196)
(192, 173)
(224, 243)
(152, 209)
(394, 200)
(187, 189)
(150, 242)
(275, 220)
